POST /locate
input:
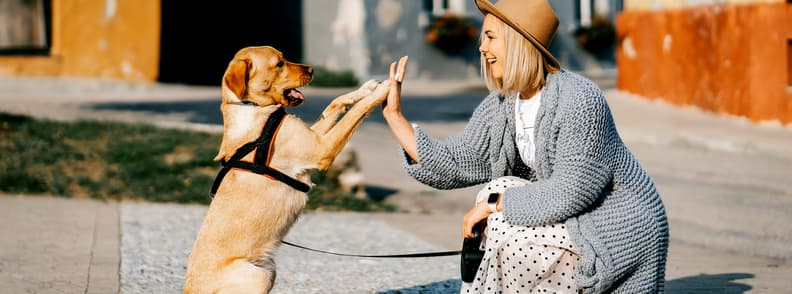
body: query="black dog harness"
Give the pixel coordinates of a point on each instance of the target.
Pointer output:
(260, 165)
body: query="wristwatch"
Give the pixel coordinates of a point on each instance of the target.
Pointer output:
(492, 202)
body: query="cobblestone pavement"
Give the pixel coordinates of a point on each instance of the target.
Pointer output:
(157, 239)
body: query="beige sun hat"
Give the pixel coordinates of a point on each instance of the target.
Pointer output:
(534, 19)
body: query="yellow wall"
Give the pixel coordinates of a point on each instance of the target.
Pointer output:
(676, 4)
(97, 38)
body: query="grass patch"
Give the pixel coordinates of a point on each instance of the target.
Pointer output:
(112, 160)
(324, 77)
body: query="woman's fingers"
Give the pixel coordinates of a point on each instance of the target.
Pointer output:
(474, 216)
(393, 70)
(402, 68)
(397, 68)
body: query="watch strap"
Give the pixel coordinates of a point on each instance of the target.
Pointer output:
(492, 202)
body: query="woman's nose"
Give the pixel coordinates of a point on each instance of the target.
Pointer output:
(483, 48)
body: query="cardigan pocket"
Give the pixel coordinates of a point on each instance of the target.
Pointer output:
(594, 273)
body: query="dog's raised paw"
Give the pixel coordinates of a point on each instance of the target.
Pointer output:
(371, 85)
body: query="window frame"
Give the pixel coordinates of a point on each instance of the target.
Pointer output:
(36, 50)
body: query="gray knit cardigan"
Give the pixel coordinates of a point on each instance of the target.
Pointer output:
(586, 178)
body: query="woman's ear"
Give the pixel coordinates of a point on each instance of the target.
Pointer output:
(236, 78)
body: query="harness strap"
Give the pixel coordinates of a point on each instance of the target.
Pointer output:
(260, 165)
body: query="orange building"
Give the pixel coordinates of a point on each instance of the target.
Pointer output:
(95, 38)
(732, 57)
(141, 40)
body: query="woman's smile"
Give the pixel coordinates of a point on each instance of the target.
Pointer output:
(492, 46)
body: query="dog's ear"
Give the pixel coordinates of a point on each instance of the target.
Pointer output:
(236, 77)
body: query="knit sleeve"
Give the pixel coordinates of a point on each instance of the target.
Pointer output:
(460, 161)
(580, 173)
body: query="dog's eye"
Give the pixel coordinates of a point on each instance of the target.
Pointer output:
(280, 64)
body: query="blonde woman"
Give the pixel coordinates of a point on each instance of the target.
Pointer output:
(572, 179)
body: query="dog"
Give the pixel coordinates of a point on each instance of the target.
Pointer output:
(250, 213)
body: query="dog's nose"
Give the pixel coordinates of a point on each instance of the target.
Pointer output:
(310, 71)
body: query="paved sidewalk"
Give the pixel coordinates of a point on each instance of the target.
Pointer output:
(58, 245)
(77, 243)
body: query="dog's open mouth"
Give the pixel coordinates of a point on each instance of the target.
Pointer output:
(294, 97)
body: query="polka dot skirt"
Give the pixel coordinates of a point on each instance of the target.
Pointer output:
(520, 259)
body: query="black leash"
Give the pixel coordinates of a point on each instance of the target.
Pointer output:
(408, 255)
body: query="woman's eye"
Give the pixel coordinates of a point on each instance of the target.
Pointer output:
(280, 63)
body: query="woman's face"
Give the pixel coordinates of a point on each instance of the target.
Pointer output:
(493, 46)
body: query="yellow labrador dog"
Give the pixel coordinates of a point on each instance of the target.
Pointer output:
(252, 210)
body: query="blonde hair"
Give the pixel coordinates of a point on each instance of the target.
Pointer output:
(524, 66)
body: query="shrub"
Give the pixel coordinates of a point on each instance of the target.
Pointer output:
(451, 33)
(324, 77)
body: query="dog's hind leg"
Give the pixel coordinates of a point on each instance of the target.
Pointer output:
(339, 106)
(267, 264)
(243, 276)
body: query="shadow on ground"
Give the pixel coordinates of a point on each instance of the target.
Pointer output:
(718, 283)
(440, 287)
(379, 193)
(454, 108)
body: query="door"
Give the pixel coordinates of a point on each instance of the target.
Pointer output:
(198, 39)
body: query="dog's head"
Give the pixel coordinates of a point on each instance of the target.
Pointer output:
(260, 75)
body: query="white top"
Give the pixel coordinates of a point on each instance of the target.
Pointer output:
(525, 111)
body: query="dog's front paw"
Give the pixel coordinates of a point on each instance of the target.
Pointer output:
(380, 93)
(370, 85)
(344, 102)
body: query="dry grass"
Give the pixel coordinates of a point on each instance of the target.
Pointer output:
(111, 160)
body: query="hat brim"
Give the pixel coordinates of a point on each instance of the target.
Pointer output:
(487, 7)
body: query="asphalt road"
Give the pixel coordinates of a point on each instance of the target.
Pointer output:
(453, 108)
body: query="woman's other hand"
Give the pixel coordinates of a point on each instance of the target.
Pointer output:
(474, 216)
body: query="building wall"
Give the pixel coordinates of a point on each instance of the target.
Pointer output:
(97, 38)
(365, 36)
(725, 58)
(676, 4)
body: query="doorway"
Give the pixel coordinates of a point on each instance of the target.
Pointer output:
(198, 39)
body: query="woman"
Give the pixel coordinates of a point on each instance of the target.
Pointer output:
(583, 179)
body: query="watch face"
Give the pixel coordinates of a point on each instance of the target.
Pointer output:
(493, 197)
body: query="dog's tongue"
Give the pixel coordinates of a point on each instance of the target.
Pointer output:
(296, 94)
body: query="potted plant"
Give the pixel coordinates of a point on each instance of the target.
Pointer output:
(451, 33)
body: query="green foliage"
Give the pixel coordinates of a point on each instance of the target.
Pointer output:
(111, 160)
(324, 77)
(327, 195)
(451, 33)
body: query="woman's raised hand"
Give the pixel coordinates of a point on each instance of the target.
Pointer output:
(391, 111)
(392, 105)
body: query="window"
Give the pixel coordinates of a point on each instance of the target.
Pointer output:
(25, 27)
(442, 7)
(789, 64)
